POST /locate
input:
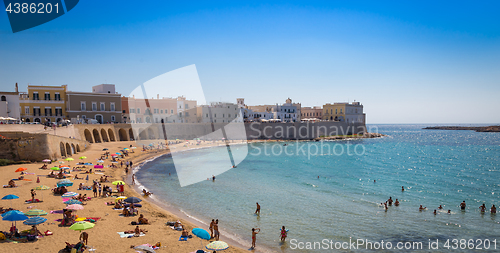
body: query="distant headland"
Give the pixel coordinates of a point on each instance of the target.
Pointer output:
(477, 129)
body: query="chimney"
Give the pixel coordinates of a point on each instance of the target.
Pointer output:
(17, 89)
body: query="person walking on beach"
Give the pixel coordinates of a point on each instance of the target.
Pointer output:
(257, 211)
(94, 189)
(255, 231)
(33, 194)
(133, 179)
(84, 237)
(99, 186)
(212, 228)
(121, 164)
(463, 205)
(216, 230)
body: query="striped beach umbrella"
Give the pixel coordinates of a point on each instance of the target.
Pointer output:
(75, 207)
(34, 220)
(35, 212)
(72, 202)
(64, 182)
(217, 246)
(69, 194)
(42, 188)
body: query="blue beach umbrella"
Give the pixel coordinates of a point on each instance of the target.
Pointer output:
(10, 197)
(34, 221)
(15, 216)
(11, 212)
(201, 233)
(72, 202)
(69, 194)
(64, 182)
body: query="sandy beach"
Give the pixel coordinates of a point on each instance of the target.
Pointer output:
(104, 236)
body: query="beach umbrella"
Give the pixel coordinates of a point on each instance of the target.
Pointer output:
(118, 153)
(55, 168)
(121, 197)
(114, 155)
(126, 149)
(100, 161)
(20, 169)
(114, 162)
(87, 164)
(81, 225)
(12, 212)
(201, 233)
(118, 182)
(72, 202)
(132, 200)
(69, 194)
(42, 188)
(10, 197)
(14, 215)
(133, 147)
(145, 248)
(34, 221)
(35, 212)
(217, 245)
(65, 168)
(46, 160)
(64, 182)
(75, 207)
(83, 157)
(69, 159)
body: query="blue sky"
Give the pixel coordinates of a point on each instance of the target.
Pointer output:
(407, 62)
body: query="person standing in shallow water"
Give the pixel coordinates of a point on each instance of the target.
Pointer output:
(255, 231)
(257, 211)
(216, 230)
(493, 209)
(212, 228)
(463, 205)
(402, 188)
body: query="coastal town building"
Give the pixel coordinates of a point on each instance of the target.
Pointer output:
(103, 105)
(159, 110)
(43, 104)
(287, 112)
(348, 112)
(217, 112)
(315, 112)
(9, 104)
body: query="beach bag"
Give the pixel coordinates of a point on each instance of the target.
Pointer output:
(2, 236)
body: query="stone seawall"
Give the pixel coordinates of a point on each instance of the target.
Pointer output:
(37, 147)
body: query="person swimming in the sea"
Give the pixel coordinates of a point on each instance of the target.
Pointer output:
(493, 209)
(396, 203)
(440, 207)
(482, 208)
(422, 208)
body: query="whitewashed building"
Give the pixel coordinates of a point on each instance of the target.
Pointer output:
(9, 104)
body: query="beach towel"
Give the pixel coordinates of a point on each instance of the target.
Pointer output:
(57, 211)
(92, 219)
(29, 201)
(123, 235)
(183, 238)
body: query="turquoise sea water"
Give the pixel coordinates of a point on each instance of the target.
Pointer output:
(436, 168)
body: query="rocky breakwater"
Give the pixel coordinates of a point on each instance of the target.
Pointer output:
(477, 129)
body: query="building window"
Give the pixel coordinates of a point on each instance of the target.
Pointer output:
(94, 106)
(58, 111)
(156, 110)
(35, 96)
(186, 106)
(340, 111)
(172, 111)
(4, 98)
(103, 106)
(207, 115)
(57, 97)
(187, 114)
(48, 111)
(336, 111)
(36, 111)
(113, 118)
(112, 107)
(26, 110)
(83, 106)
(138, 110)
(47, 96)
(161, 111)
